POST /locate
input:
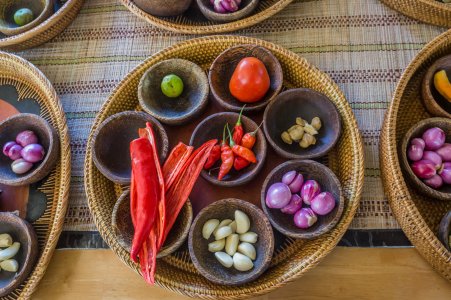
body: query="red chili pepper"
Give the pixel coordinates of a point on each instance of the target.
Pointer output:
(248, 140)
(215, 155)
(243, 152)
(226, 156)
(238, 130)
(240, 163)
(175, 162)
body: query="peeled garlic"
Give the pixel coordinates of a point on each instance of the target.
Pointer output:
(249, 237)
(300, 121)
(223, 232)
(242, 262)
(9, 265)
(9, 252)
(286, 138)
(224, 259)
(216, 245)
(5, 240)
(316, 123)
(209, 227)
(223, 223)
(248, 250)
(310, 129)
(233, 226)
(232, 244)
(242, 222)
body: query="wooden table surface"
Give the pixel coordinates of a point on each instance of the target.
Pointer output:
(347, 273)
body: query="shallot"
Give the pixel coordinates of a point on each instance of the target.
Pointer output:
(445, 152)
(15, 152)
(21, 166)
(26, 137)
(323, 203)
(294, 205)
(445, 174)
(278, 195)
(415, 152)
(433, 157)
(435, 181)
(424, 169)
(309, 191)
(33, 153)
(8, 146)
(225, 6)
(305, 218)
(434, 138)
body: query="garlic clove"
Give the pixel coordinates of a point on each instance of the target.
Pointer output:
(300, 121)
(233, 226)
(248, 250)
(242, 262)
(224, 259)
(310, 129)
(223, 223)
(223, 232)
(216, 245)
(10, 265)
(9, 252)
(5, 240)
(249, 237)
(231, 244)
(316, 123)
(242, 222)
(286, 138)
(209, 227)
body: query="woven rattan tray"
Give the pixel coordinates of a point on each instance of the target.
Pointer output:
(418, 216)
(45, 31)
(429, 11)
(193, 22)
(292, 257)
(30, 83)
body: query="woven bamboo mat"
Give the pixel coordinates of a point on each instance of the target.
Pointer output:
(363, 45)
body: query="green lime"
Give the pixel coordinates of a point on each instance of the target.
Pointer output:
(23, 16)
(172, 86)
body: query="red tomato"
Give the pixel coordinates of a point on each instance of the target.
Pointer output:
(250, 80)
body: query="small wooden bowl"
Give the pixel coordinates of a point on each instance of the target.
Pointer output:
(444, 193)
(222, 70)
(328, 182)
(435, 104)
(47, 138)
(174, 111)
(444, 230)
(212, 128)
(246, 8)
(111, 143)
(21, 231)
(123, 227)
(281, 114)
(163, 8)
(205, 261)
(42, 9)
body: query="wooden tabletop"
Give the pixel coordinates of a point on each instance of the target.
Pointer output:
(347, 273)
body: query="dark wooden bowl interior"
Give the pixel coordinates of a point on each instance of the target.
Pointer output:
(223, 67)
(174, 111)
(22, 232)
(47, 138)
(123, 227)
(212, 128)
(206, 262)
(111, 143)
(328, 183)
(444, 193)
(281, 114)
(435, 103)
(444, 230)
(246, 8)
(163, 8)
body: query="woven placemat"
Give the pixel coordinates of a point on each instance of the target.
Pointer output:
(362, 44)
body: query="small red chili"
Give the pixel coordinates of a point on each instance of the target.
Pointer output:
(249, 139)
(227, 156)
(241, 151)
(240, 163)
(214, 156)
(238, 130)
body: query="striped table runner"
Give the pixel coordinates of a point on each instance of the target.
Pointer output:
(363, 45)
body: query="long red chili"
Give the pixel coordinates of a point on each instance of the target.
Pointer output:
(238, 130)
(215, 155)
(245, 153)
(226, 157)
(175, 162)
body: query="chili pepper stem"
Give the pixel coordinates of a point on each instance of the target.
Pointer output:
(238, 122)
(231, 142)
(253, 133)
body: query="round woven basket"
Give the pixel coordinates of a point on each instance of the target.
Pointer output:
(292, 259)
(418, 215)
(44, 31)
(30, 83)
(193, 22)
(429, 11)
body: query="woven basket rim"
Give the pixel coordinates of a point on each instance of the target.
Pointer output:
(207, 29)
(53, 20)
(328, 243)
(397, 189)
(433, 5)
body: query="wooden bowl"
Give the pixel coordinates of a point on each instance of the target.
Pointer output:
(246, 8)
(174, 111)
(328, 182)
(435, 103)
(212, 128)
(223, 67)
(21, 231)
(47, 138)
(205, 261)
(444, 230)
(163, 8)
(111, 143)
(123, 227)
(444, 193)
(281, 114)
(42, 9)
